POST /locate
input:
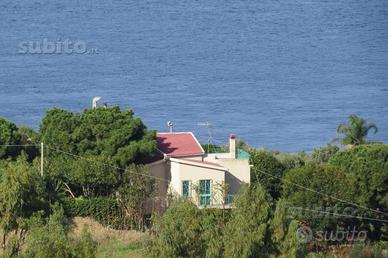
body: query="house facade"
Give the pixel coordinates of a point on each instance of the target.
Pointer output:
(185, 170)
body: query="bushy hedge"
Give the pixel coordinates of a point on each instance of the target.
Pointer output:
(103, 209)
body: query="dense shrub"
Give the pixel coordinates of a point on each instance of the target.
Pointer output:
(178, 233)
(283, 233)
(186, 231)
(369, 165)
(311, 188)
(323, 154)
(247, 232)
(94, 176)
(103, 209)
(50, 239)
(21, 193)
(265, 163)
(290, 161)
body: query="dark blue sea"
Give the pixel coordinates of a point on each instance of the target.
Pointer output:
(280, 74)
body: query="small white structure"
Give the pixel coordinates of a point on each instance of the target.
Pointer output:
(95, 101)
(209, 180)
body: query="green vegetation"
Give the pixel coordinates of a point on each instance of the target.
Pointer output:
(265, 163)
(94, 169)
(355, 131)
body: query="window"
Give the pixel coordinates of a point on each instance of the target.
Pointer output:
(204, 193)
(186, 188)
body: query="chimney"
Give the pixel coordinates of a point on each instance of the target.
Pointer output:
(232, 146)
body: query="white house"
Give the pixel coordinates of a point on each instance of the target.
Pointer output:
(208, 180)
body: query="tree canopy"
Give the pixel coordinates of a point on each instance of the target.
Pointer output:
(9, 135)
(265, 163)
(101, 131)
(355, 131)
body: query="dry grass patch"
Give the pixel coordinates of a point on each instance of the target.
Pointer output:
(111, 243)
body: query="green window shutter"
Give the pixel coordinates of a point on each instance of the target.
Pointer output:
(186, 188)
(204, 192)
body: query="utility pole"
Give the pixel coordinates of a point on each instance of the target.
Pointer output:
(41, 158)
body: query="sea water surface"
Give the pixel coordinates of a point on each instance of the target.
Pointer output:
(280, 74)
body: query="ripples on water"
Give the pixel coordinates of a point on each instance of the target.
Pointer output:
(280, 74)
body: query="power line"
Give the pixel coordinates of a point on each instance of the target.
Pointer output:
(323, 194)
(19, 145)
(339, 214)
(115, 167)
(260, 171)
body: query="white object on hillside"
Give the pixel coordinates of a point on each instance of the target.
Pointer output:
(95, 100)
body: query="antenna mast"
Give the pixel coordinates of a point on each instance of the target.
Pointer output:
(209, 127)
(170, 125)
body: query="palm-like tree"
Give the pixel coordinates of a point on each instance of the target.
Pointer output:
(355, 131)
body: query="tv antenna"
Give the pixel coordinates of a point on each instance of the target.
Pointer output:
(170, 125)
(209, 127)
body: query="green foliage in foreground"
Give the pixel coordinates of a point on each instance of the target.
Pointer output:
(284, 228)
(324, 182)
(105, 210)
(48, 238)
(368, 164)
(247, 232)
(265, 163)
(179, 232)
(186, 231)
(21, 193)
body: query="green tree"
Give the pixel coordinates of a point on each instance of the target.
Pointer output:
(21, 193)
(50, 238)
(247, 232)
(29, 137)
(312, 192)
(213, 224)
(86, 247)
(136, 188)
(178, 233)
(290, 161)
(95, 175)
(369, 165)
(9, 135)
(355, 131)
(101, 131)
(284, 229)
(323, 154)
(265, 163)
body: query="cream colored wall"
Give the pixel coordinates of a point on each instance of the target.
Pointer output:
(181, 172)
(239, 171)
(199, 158)
(176, 171)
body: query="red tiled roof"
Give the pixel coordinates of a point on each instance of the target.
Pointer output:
(179, 144)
